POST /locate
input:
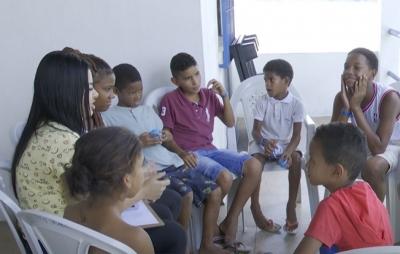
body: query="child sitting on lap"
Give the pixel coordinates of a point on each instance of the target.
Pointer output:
(352, 216)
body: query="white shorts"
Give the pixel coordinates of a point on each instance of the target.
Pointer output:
(391, 155)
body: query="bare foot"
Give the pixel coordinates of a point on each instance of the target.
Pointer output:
(211, 249)
(259, 217)
(291, 224)
(229, 230)
(264, 223)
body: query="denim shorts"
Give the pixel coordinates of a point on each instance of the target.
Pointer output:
(212, 162)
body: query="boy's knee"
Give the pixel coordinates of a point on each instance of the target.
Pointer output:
(215, 195)
(296, 156)
(225, 178)
(375, 169)
(259, 157)
(224, 181)
(252, 168)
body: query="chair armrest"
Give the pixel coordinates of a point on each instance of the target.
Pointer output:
(5, 164)
(309, 123)
(231, 139)
(310, 131)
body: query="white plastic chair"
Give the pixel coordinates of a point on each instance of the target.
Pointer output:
(393, 200)
(5, 164)
(196, 220)
(154, 97)
(9, 210)
(195, 228)
(246, 95)
(374, 250)
(6, 183)
(392, 195)
(62, 236)
(16, 132)
(396, 85)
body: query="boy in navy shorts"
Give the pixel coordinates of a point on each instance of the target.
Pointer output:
(146, 124)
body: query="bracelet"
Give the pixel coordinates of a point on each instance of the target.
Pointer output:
(345, 113)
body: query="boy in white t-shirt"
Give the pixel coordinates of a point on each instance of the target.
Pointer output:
(276, 131)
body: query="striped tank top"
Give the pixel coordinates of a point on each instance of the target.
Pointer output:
(372, 109)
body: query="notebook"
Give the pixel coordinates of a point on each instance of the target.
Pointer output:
(141, 215)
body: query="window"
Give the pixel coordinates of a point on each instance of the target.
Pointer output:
(310, 25)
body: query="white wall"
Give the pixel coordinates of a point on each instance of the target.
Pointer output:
(316, 77)
(390, 45)
(209, 31)
(144, 33)
(310, 25)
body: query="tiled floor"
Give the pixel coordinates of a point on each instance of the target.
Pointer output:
(274, 193)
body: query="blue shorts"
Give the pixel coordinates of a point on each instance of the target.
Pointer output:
(212, 162)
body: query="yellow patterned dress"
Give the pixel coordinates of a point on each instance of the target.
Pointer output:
(38, 174)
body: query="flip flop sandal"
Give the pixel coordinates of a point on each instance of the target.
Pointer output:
(273, 228)
(238, 248)
(291, 228)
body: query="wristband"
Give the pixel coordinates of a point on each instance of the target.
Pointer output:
(345, 113)
(224, 94)
(263, 141)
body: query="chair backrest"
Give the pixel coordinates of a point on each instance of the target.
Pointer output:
(396, 85)
(9, 210)
(247, 95)
(153, 100)
(6, 182)
(393, 192)
(154, 97)
(16, 132)
(61, 236)
(374, 250)
(5, 164)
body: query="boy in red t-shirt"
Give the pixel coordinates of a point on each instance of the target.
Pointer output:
(352, 216)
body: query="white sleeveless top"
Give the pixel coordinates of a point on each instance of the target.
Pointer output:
(371, 112)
